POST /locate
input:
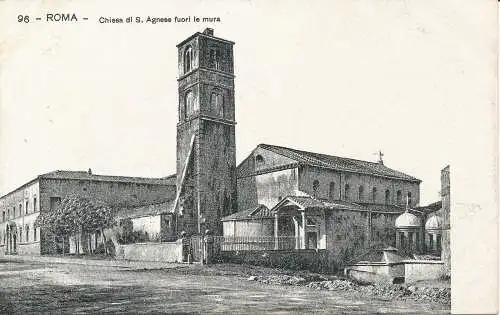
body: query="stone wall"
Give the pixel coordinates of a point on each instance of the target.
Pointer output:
(32, 248)
(162, 252)
(423, 270)
(112, 193)
(348, 235)
(309, 174)
(375, 272)
(312, 260)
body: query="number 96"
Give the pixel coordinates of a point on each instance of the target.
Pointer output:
(23, 18)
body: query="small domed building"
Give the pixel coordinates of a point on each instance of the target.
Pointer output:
(433, 233)
(409, 233)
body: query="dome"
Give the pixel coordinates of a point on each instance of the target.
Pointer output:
(407, 220)
(434, 223)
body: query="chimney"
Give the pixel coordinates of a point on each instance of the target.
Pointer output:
(209, 31)
(90, 171)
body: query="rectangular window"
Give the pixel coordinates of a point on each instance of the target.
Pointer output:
(54, 202)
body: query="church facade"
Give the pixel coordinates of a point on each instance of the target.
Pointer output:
(320, 202)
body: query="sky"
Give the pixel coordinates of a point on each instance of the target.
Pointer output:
(416, 79)
(347, 78)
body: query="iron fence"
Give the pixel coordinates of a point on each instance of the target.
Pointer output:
(241, 243)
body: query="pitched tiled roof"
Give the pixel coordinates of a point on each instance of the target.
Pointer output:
(433, 207)
(147, 210)
(82, 175)
(338, 163)
(308, 202)
(258, 212)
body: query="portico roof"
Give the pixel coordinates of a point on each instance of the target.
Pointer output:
(310, 203)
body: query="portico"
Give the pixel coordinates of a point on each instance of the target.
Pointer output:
(302, 220)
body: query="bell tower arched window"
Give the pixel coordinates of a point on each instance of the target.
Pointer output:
(189, 103)
(387, 196)
(217, 103)
(361, 193)
(374, 194)
(315, 188)
(331, 193)
(399, 197)
(347, 192)
(188, 59)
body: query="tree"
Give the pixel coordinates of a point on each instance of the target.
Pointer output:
(77, 215)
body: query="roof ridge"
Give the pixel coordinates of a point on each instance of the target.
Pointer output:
(353, 165)
(101, 175)
(323, 154)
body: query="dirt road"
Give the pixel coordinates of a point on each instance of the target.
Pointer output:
(35, 287)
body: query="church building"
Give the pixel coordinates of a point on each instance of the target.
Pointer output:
(294, 200)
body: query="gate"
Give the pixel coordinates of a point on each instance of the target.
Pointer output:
(196, 248)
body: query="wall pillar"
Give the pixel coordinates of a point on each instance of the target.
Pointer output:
(276, 231)
(297, 236)
(434, 243)
(304, 230)
(398, 240)
(414, 245)
(407, 241)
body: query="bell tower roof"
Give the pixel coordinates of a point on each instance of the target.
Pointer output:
(208, 33)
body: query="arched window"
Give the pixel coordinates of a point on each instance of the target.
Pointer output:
(215, 58)
(217, 103)
(347, 192)
(189, 103)
(374, 194)
(259, 158)
(361, 193)
(399, 197)
(409, 198)
(188, 59)
(27, 233)
(387, 196)
(331, 191)
(34, 234)
(315, 188)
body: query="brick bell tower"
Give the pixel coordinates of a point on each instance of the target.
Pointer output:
(206, 149)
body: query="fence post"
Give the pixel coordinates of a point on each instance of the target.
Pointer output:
(208, 248)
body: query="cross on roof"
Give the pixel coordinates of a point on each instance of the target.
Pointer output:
(380, 156)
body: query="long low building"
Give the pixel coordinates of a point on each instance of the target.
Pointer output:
(21, 207)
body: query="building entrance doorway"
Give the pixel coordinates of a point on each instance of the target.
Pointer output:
(11, 238)
(312, 240)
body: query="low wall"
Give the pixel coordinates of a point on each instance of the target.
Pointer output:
(291, 259)
(417, 270)
(375, 272)
(31, 249)
(162, 252)
(28, 248)
(409, 270)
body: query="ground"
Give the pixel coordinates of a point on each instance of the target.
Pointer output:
(79, 286)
